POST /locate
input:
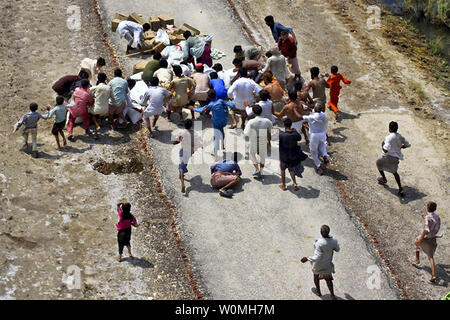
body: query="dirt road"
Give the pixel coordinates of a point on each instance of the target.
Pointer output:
(57, 211)
(250, 247)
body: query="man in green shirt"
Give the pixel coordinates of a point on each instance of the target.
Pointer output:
(151, 67)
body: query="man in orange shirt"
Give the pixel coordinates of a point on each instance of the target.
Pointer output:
(335, 88)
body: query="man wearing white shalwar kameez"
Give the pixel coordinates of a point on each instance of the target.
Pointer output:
(318, 126)
(133, 32)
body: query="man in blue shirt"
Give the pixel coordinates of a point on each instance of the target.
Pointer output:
(119, 88)
(219, 117)
(277, 27)
(225, 175)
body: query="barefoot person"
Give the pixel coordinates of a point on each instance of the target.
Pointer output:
(335, 88)
(225, 175)
(126, 220)
(291, 155)
(322, 265)
(427, 239)
(60, 112)
(392, 154)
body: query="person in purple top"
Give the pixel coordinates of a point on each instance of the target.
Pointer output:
(126, 220)
(218, 86)
(225, 175)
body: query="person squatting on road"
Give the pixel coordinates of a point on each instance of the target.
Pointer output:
(291, 154)
(335, 89)
(29, 122)
(225, 175)
(134, 33)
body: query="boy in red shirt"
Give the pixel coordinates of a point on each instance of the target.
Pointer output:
(335, 88)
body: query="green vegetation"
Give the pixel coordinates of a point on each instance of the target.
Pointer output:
(437, 45)
(436, 11)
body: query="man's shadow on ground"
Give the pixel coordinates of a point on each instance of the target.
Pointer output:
(328, 296)
(139, 262)
(411, 193)
(442, 277)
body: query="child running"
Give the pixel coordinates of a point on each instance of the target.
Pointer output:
(30, 121)
(335, 88)
(60, 112)
(126, 220)
(186, 138)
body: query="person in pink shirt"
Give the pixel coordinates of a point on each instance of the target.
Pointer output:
(82, 99)
(427, 239)
(126, 220)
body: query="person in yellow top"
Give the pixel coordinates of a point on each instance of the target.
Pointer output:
(182, 88)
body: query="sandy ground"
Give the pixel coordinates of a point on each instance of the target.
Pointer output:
(58, 211)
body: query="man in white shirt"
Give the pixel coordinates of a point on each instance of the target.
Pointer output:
(277, 65)
(256, 129)
(241, 91)
(133, 32)
(153, 99)
(318, 126)
(92, 67)
(392, 154)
